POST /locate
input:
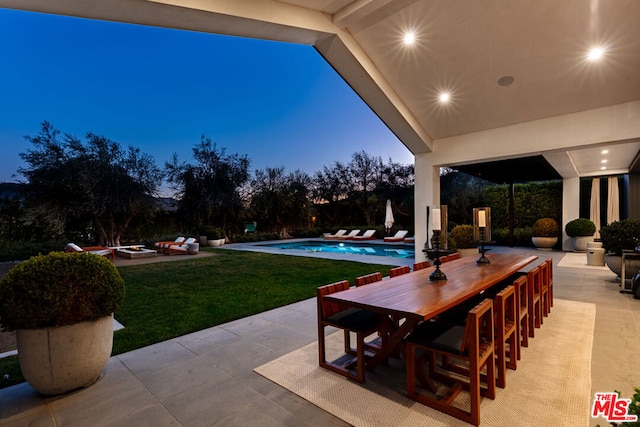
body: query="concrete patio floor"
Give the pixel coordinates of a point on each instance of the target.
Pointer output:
(207, 379)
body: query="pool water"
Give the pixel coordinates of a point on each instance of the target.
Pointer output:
(389, 250)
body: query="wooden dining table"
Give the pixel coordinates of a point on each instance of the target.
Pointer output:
(406, 300)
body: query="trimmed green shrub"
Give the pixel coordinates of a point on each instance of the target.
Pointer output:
(545, 227)
(521, 236)
(620, 235)
(462, 235)
(59, 289)
(580, 227)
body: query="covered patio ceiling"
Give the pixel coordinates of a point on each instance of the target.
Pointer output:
(512, 171)
(506, 65)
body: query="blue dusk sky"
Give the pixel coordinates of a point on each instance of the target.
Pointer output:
(160, 90)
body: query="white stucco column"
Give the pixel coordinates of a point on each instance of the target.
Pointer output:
(427, 193)
(570, 207)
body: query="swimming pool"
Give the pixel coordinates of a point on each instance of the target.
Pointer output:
(353, 248)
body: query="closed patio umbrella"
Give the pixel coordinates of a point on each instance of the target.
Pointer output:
(388, 217)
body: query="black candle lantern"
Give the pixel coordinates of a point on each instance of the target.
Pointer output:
(438, 221)
(482, 231)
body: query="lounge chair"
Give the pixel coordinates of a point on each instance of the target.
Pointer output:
(409, 240)
(351, 235)
(180, 248)
(166, 244)
(339, 234)
(368, 235)
(97, 250)
(399, 236)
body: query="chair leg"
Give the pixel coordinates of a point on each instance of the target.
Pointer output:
(514, 341)
(538, 309)
(531, 316)
(501, 361)
(474, 390)
(322, 357)
(524, 333)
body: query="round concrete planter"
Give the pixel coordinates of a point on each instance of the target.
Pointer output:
(614, 262)
(544, 243)
(214, 243)
(580, 243)
(60, 359)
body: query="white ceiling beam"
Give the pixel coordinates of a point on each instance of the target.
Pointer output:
(581, 130)
(356, 10)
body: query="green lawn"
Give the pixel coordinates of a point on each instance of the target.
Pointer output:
(168, 299)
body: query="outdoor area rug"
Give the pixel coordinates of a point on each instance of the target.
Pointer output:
(551, 386)
(579, 260)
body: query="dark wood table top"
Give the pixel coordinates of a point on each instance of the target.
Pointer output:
(414, 296)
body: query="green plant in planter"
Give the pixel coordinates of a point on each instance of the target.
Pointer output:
(580, 227)
(462, 235)
(59, 289)
(545, 227)
(214, 234)
(620, 235)
(211, 232)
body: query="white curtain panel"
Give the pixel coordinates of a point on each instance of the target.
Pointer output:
(594, 214)
(613, 202)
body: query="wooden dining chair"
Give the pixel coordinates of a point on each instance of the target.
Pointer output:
(398, 271)
(367, 279)
(534, 300)
(454, 256)
(361, 322)
(444, 259)
(420, 265)
(550, 261)
(546, 285)
(522, 307)
(471, 345)
(506, 318)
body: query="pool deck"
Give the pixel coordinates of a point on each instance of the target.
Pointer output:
(369, 259)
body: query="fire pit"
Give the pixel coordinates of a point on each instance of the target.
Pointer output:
(135, 252)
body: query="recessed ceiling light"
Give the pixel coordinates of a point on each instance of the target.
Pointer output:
(603, 161)
(444, 97)
(603, 168)
(604, 152)
(409, 38)
(505, 80)
(595, 54)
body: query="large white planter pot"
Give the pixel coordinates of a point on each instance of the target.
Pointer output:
(580, 243)
(214, 243)
(544, 243)
(61, 359)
